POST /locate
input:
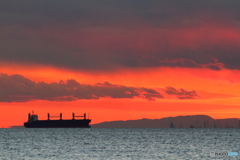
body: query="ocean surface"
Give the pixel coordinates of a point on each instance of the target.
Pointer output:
(102, 143)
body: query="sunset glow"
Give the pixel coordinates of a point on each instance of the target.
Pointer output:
(118, 61)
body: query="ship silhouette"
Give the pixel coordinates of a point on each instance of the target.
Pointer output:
(33, 122)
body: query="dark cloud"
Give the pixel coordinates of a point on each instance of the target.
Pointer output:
(117, 12)
(214, 67)
(104, 35)
(16, 88)
(181, 93)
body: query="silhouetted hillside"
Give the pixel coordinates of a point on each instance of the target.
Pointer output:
(193, 121)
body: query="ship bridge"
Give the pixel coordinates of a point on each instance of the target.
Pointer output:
(32, 117)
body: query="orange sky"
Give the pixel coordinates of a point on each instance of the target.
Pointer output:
(217, 92)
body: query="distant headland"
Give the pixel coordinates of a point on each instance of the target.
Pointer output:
(189, 121)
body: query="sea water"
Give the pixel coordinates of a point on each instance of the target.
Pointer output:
(103, 143)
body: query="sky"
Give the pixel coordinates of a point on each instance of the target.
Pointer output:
(119, 60)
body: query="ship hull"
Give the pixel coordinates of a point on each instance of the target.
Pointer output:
(84, 123)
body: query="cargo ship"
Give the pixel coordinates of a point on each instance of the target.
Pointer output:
(75, 122)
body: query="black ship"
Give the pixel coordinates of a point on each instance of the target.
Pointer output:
(33, 122)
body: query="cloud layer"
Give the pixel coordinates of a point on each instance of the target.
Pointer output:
(20, 89)
(96, 35)
(16, 88)
(181, 94)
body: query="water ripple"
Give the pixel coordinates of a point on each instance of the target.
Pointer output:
(96, 143)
